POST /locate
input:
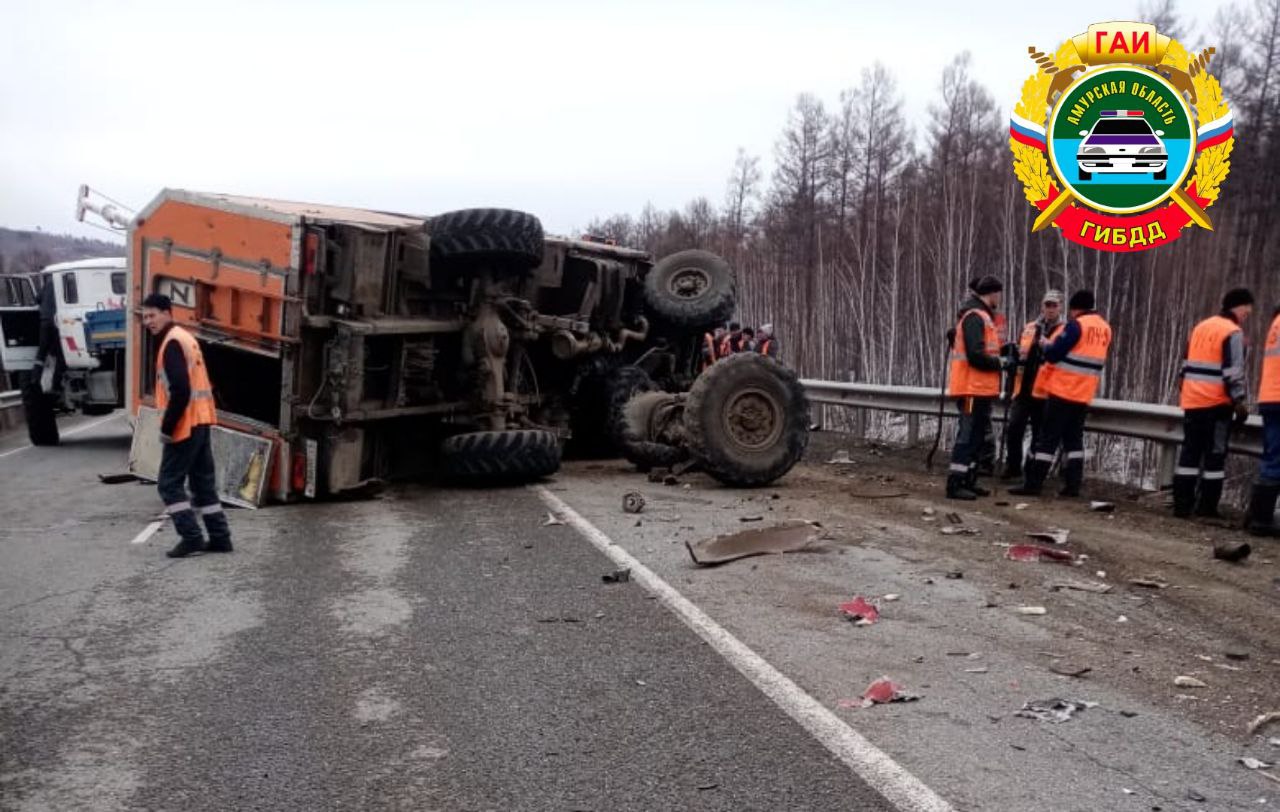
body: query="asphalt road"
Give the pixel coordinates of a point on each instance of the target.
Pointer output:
(433, 649)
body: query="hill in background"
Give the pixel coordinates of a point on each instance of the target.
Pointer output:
(28, 251)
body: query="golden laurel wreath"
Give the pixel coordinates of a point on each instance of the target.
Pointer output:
(1032, 168)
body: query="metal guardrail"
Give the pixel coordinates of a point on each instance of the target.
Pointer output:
(1145, 421)
(10, 409)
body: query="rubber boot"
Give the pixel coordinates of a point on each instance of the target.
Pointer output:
(1037, 470)
(958, 488)
(1210, 494)
(1260, 520)
(972, 484)
(184, 521)
(1184, 496)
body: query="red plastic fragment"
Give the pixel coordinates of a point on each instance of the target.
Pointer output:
(858, 609)
(1032, 552)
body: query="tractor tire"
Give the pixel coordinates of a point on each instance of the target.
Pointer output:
(747, 420)
(38, 409)
(691, 289)
(500, 457)
(640, 443)
(598, 419)
(469, 237)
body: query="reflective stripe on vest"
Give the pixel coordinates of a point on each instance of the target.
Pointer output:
(1040, 386)
(1076, 377)
(200, 409)
(965, 380)
(1202, 384)
(1269, 389)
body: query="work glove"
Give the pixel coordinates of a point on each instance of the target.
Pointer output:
(1241, 412)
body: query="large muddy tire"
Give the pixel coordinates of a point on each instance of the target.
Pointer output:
(691, 289)
(747, 420)
(38, 409)
(598, 414)
(641, 442)
(477, 236)
(500, 457)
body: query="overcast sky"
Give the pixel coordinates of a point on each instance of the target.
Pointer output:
(566, 109)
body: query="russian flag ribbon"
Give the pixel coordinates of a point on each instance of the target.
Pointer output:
(1215, 132)
(1025, 132)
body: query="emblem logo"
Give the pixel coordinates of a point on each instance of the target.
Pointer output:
(1122, 138)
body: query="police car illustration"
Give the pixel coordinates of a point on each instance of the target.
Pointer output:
(1122, 143)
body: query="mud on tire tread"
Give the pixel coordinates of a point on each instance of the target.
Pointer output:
(470, 236)
(713, 305)
(42, 423)
(639, 447)
(500, 457)
(711, 444)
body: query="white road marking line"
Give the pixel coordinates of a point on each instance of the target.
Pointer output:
(147, 532)
(870, 763)
(76, 430)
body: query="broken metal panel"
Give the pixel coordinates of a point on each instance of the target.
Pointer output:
(242, 461)
(783, 538)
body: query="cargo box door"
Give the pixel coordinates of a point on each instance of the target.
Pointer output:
(242, 460)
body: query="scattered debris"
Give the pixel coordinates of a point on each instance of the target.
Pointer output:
(1274, 741)
(929, 511)
(1102, 507)
(1031, 610)
(841, 457)
(552, 519)
(1032, 552)
(878, 693)
(751, 518)
(1128, 714)
(670, 479)
(1192, 795)
(860, 611)
(1149, 583)
(117, 479)
(954, 530)
(1262, 721)
(1081, 586)
(1189, 682)
(1021, 506)
(1122, 619)
(1236, 655)
(705, 787)
(632, 502)
(784, 538)
(1255, 764)
(980, 670)
(954, 518)
(1233, 551)
(1001, 504)
(1054, 535)
(955, 575)
(1055, 711)
(1070, 670)
(891, 597)
(881, 495)
(617, 576)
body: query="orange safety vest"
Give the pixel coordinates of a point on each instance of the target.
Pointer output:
(1025, 342)
(200, 409)
(1040, 386)
(1202, 383)
(763, 349)
(965, 380)
(1269, 390)
(1076, 377)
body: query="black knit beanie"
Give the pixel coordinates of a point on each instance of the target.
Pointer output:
(1081, 300)
(986, 284)
(1236, 297)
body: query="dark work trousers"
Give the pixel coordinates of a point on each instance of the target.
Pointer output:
(1062, 425)
(1270, 442)
(1024, 411)
(192, 459)
(1205, 433)
(975, 418)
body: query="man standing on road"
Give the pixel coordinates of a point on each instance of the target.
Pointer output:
(974, 381)
(1214, 390)
(1078, 355)
(1262, 502)
(1026, 409)
(184, 395)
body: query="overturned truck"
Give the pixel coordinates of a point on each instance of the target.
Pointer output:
(358, 346)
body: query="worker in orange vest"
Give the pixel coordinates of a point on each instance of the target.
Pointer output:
(1026, 407)
(767, 342)
(732, 341)
(974, 381)
(1214, 391)
(184, 396)
(1078, 354)
(1262, 502)
(711, 346)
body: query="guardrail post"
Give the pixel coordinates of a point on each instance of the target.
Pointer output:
(913, 429)
(1164, 471)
